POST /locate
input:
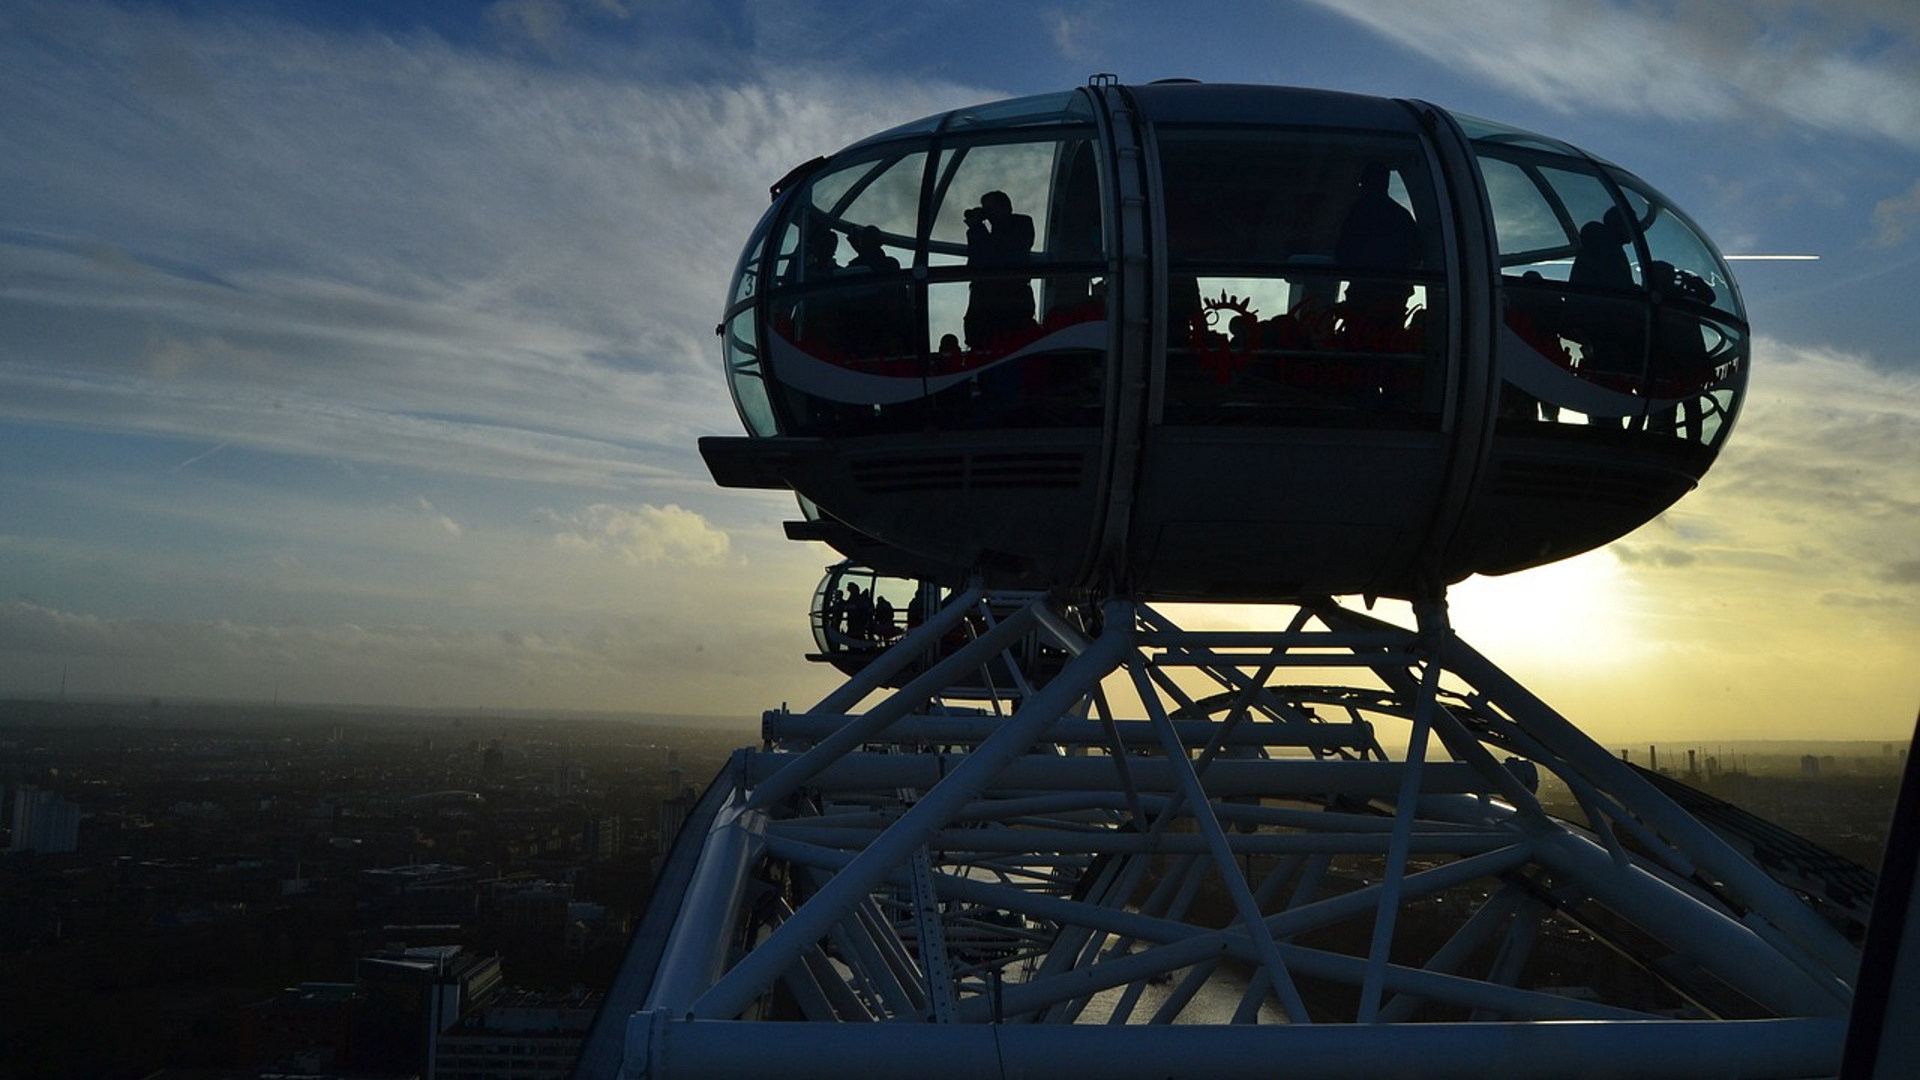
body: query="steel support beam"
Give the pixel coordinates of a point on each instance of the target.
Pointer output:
(661, 1045)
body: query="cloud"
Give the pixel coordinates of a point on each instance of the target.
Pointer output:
(1822, 472)
(646, 535)
(1783, 591)
(626, 663)
(202, 456)
(432, 513)
(1077, 32)
(27, 627)
(1803, 597)
(384, 248)
(172, 357)
(1894, 218)
(1662, 555)
(1791, 565)
(1830, 68)
(539, 20)
(1851, 600)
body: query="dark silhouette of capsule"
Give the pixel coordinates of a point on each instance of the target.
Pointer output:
(1233, 343)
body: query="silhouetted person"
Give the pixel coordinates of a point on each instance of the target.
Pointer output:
(818, 321)
(1682, 364)
(883, 628)
(859, 613)
(868, 253)
(823, 245)
(1378, 234)
(877, 319)
(1602, 259)
(1611, 344)
(997, 238)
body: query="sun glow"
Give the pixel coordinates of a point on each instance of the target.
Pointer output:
(1576, 612)
(1579, 612)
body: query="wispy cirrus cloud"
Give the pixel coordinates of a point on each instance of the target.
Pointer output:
(1821, 479)
(1077, 32)
(1895, 218)
(1852, 68)
(390, 248)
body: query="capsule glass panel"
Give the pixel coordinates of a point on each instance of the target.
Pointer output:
(1305, 282)
(740, 336)
(1573, 344)
(1040, 110)
(1617, 314)
(856, 610)
(954, 287)
(1697, 366)
(745, 375)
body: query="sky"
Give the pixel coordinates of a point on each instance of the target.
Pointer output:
(355, 353)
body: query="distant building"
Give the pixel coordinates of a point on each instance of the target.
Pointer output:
(600, 839)
(420, 893)
(519, 1036)
(416, 875)
(588, 926)
(44, 822)
(673, 816)
(538, 905)
(411, 995)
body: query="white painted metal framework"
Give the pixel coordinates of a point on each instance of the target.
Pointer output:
(1267, 870)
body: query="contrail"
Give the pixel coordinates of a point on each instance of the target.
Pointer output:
(202, 456)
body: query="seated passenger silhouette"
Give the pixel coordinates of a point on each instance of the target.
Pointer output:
(1378, 234)
(878, 319)
(997, 239)
(868, 253)
(818, 321)
(823, 245)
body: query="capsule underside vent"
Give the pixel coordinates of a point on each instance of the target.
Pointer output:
(965, 472)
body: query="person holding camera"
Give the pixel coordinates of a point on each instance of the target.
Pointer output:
(997, 238)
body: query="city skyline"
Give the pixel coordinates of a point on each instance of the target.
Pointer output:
(358, 356)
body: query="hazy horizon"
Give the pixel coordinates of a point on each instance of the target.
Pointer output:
(751, 724)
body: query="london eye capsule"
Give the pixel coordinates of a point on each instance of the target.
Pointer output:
(1229, 343)
(858, 613)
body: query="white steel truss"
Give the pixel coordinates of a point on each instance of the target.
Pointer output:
(1352, 877)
